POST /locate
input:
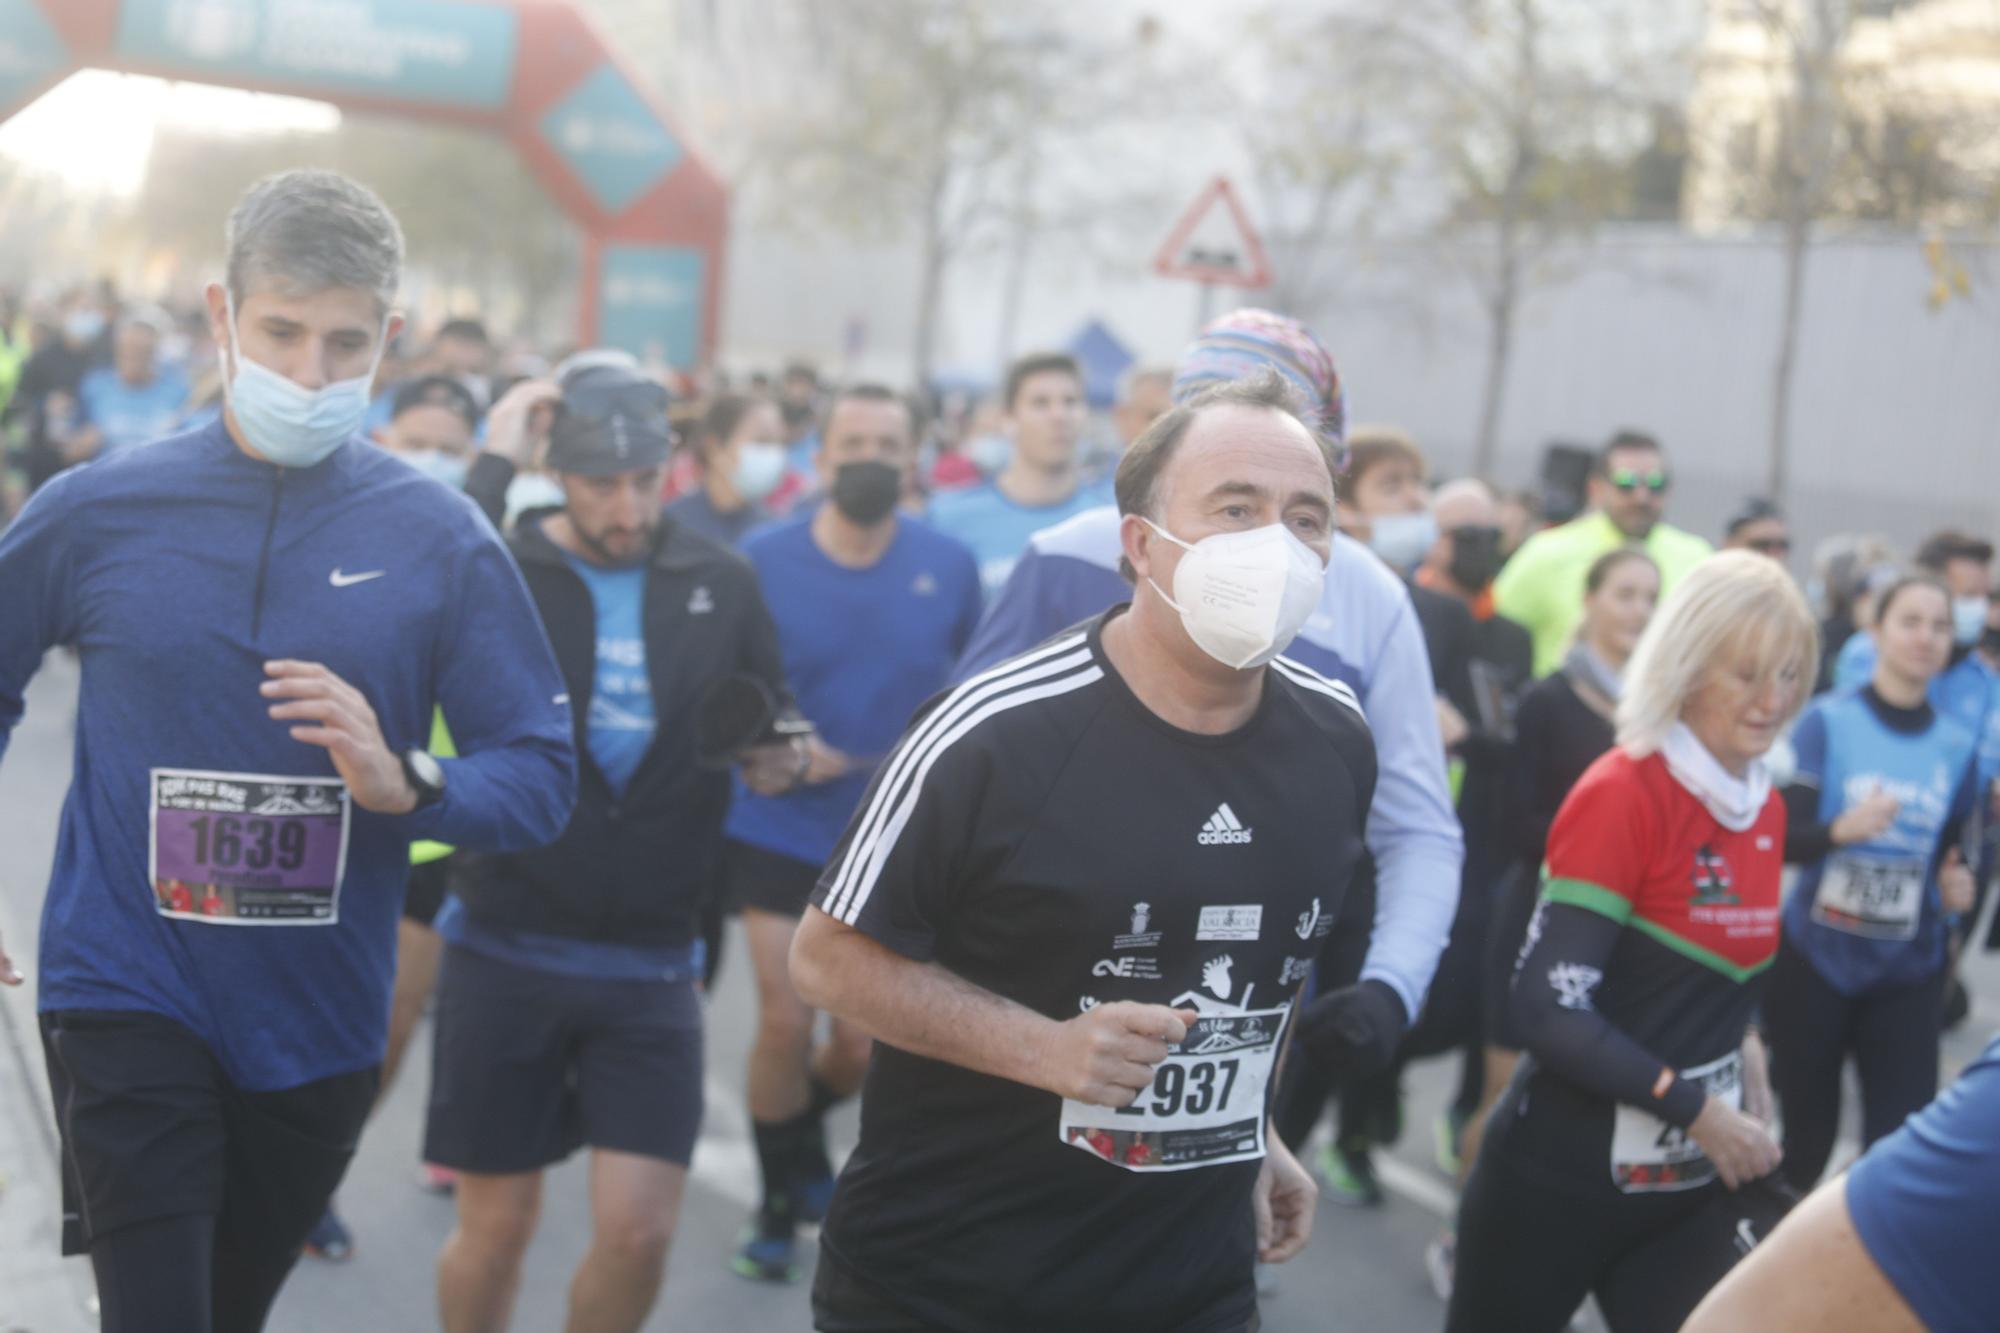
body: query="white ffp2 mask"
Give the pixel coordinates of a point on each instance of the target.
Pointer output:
(1244, 596)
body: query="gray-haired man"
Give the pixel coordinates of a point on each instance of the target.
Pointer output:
(268, 610)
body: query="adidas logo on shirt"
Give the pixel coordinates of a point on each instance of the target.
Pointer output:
(1222, 828)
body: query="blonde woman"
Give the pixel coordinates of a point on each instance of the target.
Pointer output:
(1643, 1097)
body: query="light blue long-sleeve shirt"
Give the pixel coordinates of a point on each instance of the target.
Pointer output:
(1364, 633)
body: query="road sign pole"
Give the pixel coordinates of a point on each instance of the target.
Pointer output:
(1204, 309)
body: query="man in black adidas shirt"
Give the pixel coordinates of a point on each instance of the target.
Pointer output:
(1075, 908)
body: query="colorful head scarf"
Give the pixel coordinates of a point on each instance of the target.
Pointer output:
(1246, 341)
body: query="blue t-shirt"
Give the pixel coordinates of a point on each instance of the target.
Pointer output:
(129, 415)
(621, 721)
(1869, 914)
(1964, 692)
(998, 530)
(1926, 1203)
(862, 648)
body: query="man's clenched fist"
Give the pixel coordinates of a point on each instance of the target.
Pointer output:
(1106, 1056)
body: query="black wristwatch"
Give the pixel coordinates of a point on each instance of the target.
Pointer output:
(425, 776)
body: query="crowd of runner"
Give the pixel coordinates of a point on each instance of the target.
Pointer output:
(1117, 800)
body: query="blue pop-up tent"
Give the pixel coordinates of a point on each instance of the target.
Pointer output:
(1103, 358)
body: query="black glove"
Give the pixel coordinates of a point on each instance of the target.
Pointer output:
(1353, 1033)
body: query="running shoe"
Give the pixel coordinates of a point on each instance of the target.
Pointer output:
(766, 1255)
(1350, 1177)
(1441, 1262)
(441, 1180)
(330, 1239)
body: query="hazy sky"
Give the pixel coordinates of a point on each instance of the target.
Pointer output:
(95, 129)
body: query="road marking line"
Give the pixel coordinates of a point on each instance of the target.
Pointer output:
(1416, 1185)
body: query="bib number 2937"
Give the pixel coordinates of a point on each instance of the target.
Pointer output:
(247, 849)
(1205, 1106)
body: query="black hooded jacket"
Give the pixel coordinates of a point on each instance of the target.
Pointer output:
(634, 868)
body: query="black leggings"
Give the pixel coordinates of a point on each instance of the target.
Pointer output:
(1812, 1029)
(175, 1275)
(1529, 1253)
(157, 1275)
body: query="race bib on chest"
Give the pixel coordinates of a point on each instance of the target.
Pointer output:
(1649, 1155)
(1878, 897)
(1206, 1104)
(245, 849)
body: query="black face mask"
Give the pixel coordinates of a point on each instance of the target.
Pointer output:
(1475, 557)
(865, 493)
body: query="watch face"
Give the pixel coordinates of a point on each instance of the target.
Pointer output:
(428, 771)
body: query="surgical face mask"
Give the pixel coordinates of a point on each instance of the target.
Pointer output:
(759, 470)
(83, 326)
(1244, 596)
(1968, 618)
(1402, 539)
(866, 492)
(990, 453)
(438, 466)
(290, 425)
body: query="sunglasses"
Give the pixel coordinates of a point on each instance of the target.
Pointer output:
(1628, 481)
(597, 402)
(1771, 545)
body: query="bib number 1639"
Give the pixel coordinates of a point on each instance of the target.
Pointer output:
(225, 843)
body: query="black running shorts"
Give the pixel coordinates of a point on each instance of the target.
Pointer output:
(527, 1066)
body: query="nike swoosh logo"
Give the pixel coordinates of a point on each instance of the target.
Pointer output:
(340, 580)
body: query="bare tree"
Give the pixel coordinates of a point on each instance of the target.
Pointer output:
(935, 121)
(1845, 127)
(1808, 34)
(1503, 128)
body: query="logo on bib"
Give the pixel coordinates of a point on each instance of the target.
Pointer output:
(1714, 886)
(1222, 828)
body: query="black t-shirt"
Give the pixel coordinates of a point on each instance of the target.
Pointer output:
(1041, 833)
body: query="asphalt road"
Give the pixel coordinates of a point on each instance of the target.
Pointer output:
(1364, 1270)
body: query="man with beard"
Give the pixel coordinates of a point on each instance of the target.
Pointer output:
(568, 1009)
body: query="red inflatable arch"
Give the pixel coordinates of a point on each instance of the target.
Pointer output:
(653, 214)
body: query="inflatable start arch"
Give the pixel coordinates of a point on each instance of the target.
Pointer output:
(653, 214)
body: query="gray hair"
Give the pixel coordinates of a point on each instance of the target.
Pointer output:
(308, 231)
(1734, 609)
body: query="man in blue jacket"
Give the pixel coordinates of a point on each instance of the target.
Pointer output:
(268, 610)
